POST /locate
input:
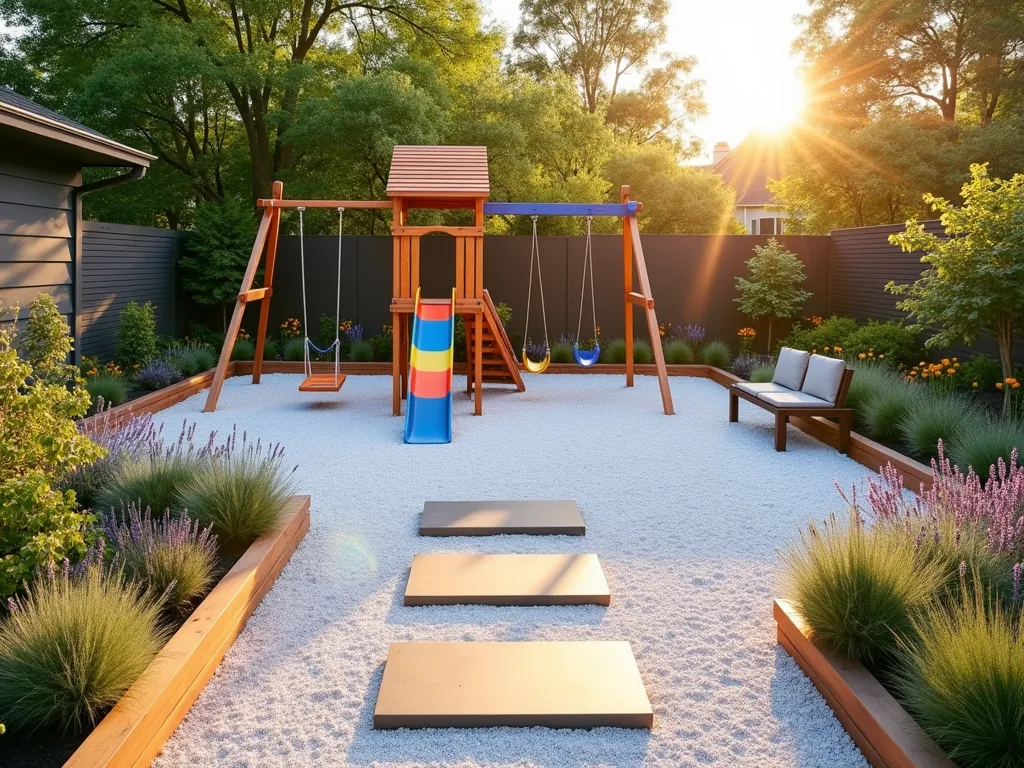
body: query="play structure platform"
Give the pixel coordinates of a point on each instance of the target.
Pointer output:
(483, 684)
(446, 579)
(495, 518)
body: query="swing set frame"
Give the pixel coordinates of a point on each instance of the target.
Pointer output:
(437, 178)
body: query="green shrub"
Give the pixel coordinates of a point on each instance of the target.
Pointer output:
(47, 341)
(244, 349)
(154, 481)
(982, 369)
(963, 681)
(868, 382)
(561, 352)
(885, 411)
(72, 647)
(504, 313)
(859, 589)
(835, 330)
(241, 493)
(361, 352)
(171, 556)
(936, 417)
(983, 442)
(891, 339)
(383, 344)
(39, 443)
(327, 333)
(678, 352)
(763, 374)
(716, 353)
(614, 352)
(136, 336)
(271, 349)
(295, 350)
(112, 389)
(642, 352)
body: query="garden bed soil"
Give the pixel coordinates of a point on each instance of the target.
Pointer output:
(133, 733)
(884, 731)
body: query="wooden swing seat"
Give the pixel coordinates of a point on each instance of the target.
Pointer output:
(322, 382)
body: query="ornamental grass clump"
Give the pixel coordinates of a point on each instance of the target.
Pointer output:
(934, 418)
(172, 556)
(642, 352)
(106, 390)
(72, 646)
(716, 353)
(678, 352)
(963, 681)
(240, 492)
(614, 352)
(885, 409)
(763, 374)
(295, 350)
(561, 352)
(985, 443)
(156, 479)
(859, 588)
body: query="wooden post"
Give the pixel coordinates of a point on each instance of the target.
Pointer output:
(478, 364)
(236, 316)
(396, 355)
(627, 259)
(268, 282)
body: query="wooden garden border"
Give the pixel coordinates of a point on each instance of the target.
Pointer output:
(878, 725)
(916, 476)
(134, 732)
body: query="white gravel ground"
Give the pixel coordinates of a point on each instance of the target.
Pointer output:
(686, 513)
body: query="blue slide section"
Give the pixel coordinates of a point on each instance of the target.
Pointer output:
(428, 413)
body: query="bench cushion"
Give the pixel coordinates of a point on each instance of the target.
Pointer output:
(791, 368)
(757, 389)
(793, 400)
(824, 376)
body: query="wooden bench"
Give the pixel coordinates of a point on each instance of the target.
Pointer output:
(790, 402)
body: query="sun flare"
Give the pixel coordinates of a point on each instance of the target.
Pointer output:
(777, 107)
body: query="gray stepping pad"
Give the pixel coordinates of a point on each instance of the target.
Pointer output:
(477, 579)
(493, 518)
(523, 684)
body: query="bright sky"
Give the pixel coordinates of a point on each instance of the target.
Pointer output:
(743, 55)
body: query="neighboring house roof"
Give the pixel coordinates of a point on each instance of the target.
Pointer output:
(432, 171)
(34, 124)
(748, 168)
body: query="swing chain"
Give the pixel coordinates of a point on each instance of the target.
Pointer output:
(588, 258)
(535, 255)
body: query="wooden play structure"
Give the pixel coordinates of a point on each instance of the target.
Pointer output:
(447, 178)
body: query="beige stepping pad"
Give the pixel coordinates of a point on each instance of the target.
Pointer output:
(492, 518)
(486, 684)
(506, 580)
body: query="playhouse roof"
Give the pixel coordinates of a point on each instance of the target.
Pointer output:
(432, 171)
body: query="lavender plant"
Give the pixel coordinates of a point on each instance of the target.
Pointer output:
(157, 375)
(744, 365)
(173, 556)
(694, 335)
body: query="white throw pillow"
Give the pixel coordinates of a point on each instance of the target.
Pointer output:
(824, 375)
(790, 370)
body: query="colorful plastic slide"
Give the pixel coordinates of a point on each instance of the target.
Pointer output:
(428, 414)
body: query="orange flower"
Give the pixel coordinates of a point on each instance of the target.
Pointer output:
(999, 385)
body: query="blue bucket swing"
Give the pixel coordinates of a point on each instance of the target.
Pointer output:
(587, 357)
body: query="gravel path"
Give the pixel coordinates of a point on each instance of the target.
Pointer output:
(686, 513)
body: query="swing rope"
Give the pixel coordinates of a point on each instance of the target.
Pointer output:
(588, 357)
(308, 342)
(540, 366)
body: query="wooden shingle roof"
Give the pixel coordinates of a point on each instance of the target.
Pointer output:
(432, 171)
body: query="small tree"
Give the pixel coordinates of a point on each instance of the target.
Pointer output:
(974, 283)
(217, 253)
(773, 290)
(136, 336)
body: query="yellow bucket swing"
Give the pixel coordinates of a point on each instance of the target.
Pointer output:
(538, 366)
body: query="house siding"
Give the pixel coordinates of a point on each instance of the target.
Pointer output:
(37, 231)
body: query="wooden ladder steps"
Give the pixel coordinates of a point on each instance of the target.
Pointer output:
(493, 518)
(520, 684)
(477, 579)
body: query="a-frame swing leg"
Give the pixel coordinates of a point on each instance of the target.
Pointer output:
(268, 284)
(244, 295)
(646, 300)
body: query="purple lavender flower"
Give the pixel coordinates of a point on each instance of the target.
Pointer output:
(694, 334)
(355, 333)
(157, 375)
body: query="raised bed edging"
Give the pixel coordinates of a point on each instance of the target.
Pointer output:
(134, 732)
(884, 731)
